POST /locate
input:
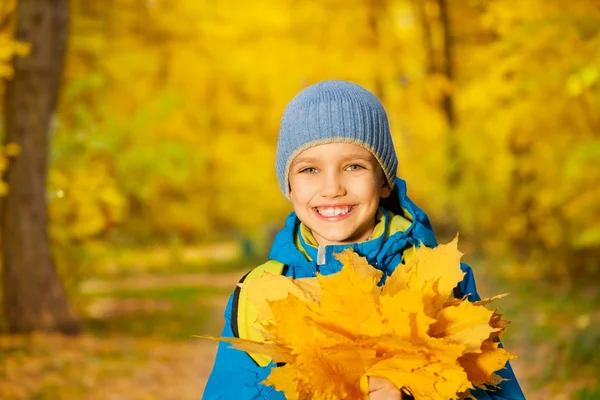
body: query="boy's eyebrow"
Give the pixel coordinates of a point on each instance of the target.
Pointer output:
(358, 157)
(299, 160)
(313, 160)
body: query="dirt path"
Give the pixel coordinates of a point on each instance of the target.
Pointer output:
(218, 280)
(58, 367)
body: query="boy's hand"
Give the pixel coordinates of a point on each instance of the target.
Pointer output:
(382, 389)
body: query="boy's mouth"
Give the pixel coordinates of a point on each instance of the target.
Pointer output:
(334, 211)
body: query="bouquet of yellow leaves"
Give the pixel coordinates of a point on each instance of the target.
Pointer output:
(333, 332)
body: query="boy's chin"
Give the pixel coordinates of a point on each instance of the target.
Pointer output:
(340, 238)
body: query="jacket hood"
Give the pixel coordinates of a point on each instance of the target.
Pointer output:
(382, 253)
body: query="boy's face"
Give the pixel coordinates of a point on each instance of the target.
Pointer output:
(335, 190)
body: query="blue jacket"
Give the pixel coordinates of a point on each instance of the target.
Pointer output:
(236, 375)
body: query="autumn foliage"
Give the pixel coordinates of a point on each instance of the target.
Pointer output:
(8, 48)
(170, 110)
(333, 332)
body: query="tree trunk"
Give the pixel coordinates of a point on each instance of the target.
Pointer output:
(34, 296)
(440, 61)
(447, 105)
(426, 35)
(448, 70)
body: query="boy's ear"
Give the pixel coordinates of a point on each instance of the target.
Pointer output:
(385, 190)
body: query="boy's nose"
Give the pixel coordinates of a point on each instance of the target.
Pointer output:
(333, 186)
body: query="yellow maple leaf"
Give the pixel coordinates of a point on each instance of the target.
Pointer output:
(278, 353)
(270, 287)
(356, 274)
(483, 302)
(334, 372)
(334, 332)
(434, 375)
(285, 379)
(464, 323)
(310, 288)
(434, 271)
(359, 265)
(291, 326)
(404, 314)
(481, 366)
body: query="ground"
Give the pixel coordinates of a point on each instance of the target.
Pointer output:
(122, 355)
(139, 342)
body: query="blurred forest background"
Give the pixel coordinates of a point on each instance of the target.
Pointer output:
(159, 128)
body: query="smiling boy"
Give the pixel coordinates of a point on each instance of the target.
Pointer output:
(337, 165)
(335, 192)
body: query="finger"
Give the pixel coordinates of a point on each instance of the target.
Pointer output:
(376, 383)
(385, 394)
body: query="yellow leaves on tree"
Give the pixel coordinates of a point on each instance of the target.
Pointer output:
(8, 49)
(89, 199)
(8, 46)
(333, 332)
(10, 150)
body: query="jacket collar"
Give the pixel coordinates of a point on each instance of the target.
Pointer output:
(323, 256)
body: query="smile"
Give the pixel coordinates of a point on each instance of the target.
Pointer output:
(334, 211)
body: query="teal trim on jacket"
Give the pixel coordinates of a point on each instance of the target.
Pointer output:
(236, 376)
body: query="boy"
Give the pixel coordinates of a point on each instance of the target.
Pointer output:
(336, 163)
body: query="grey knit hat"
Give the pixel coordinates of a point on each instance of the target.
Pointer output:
(334, 112)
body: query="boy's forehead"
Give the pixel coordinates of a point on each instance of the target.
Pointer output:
(334, 150)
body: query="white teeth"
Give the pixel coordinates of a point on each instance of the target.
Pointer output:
(333, 211)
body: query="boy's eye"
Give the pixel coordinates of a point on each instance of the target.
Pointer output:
(354, 167)
(309, 170)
